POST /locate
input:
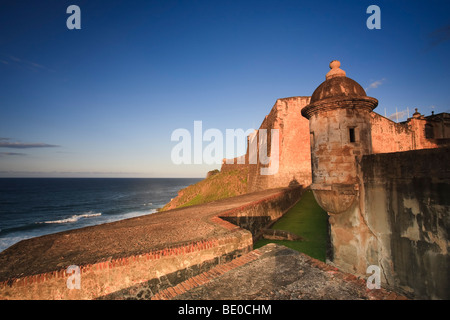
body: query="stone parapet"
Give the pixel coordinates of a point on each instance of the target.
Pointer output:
(142, 273)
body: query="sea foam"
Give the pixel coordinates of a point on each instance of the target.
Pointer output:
(73, 218)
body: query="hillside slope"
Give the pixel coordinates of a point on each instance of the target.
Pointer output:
(217, 185)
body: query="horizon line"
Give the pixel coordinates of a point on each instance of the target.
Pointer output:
(83, 177)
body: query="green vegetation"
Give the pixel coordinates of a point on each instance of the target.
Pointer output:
(198, 199)
(308, 220)
(218, 185)
(305, 219)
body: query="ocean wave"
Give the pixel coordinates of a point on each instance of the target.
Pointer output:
(10, 236)
(73, 218)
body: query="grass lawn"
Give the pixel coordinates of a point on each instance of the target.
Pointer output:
(308, 220)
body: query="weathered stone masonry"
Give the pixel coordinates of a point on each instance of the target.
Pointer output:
(385, 209)
(407, 206)
(294, 149)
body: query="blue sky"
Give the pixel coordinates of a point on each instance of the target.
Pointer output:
(104, 100)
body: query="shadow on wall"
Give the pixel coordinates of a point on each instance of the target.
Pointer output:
(145, 290)
(256, 219)
(254, 224)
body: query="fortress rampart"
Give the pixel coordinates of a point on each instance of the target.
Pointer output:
(417, 132)
(385, 186)
(400, 222)
(159, 253)
(385, 136)
(294, 149)
(406, 200)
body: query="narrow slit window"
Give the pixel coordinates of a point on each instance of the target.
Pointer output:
(351, 132)
(429, 133)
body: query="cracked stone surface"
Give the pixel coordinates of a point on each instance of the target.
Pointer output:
(281, 273)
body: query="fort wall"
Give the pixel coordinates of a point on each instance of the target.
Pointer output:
(259, 215)
(389, 136)
(384, 186)
(107, 277)
(294, 148)
(418, 132)
(143, 275)
(400, 222)
(407, 206)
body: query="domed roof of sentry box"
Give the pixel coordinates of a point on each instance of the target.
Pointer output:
(337, 87)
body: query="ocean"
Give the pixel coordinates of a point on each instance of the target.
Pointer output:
(31, 207)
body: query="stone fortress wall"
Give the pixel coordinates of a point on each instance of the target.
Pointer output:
(385, 186)
(294, 149)
(407, 212)
(417, 132)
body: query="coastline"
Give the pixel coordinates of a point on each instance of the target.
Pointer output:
(33, 212)
(156, 244)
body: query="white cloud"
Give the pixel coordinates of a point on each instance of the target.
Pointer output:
(22, 63)
(398, 115)
(375, 84)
